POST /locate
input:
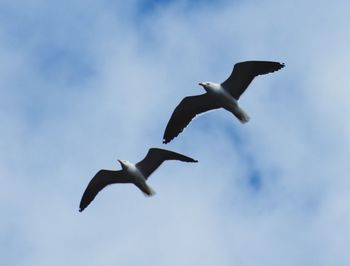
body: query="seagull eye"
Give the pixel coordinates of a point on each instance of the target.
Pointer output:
(208, 83)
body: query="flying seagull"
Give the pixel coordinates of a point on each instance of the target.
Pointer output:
(136, 174)
(224, 95)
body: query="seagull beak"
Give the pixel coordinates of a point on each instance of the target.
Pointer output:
(201, 83)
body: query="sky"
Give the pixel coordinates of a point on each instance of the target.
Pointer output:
(86, 83)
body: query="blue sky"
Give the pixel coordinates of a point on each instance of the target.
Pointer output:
(85, 84)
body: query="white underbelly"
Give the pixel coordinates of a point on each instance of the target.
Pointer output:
(231, 104)
(136, 175)
(226, 100)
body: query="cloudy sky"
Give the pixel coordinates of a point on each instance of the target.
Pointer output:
(84, 83)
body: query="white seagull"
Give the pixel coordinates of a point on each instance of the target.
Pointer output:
(224, 95)
(136, 174)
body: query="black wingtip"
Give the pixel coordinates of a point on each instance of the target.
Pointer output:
(191, 160)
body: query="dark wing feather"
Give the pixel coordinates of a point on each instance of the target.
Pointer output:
(188, 108)
(155, 157)
(244, 72)
(102, 179)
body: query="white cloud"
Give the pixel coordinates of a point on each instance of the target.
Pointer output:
(108, 94)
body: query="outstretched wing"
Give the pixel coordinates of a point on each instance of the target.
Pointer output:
(244, 72)
(155, 157)
(102, 179)
(188, 108)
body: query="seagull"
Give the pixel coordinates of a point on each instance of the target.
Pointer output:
(136, 174)
(224, 95)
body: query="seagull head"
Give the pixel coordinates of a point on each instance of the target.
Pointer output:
(205, 85)
(124, 164)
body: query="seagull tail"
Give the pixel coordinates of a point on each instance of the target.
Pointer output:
(150, 192)
(244, 119)
(147, 190)
(242, 116)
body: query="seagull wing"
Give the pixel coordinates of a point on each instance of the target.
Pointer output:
(188, 108)
(244, 72)
(102, 179)
(155, 157)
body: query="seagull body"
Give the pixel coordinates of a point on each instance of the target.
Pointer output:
(224, 95)
(136, 174)
(225, 100)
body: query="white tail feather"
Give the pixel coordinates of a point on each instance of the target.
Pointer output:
(149, 192)
(242, 116)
